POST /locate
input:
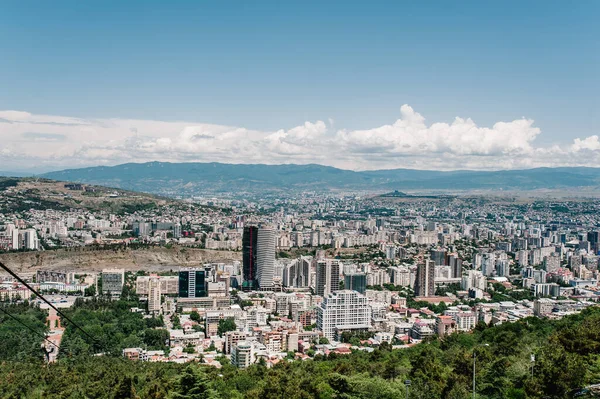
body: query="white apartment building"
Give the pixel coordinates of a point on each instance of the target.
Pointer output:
(169, 285)
(474, 279)
(465, 321)
(342, 311)
(154, 294)
(242, 354)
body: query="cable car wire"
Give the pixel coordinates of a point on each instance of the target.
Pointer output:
(19, 279)
(28, 327)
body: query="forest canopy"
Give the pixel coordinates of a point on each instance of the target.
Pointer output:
(567, 359)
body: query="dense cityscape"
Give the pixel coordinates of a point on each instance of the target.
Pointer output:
(299, 200)
(311, 275)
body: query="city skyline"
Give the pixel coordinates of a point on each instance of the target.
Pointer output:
(300, 199)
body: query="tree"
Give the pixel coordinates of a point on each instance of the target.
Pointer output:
(156, 339)
(176, 322)
(559, 370)
(90, 291)
(195, 316)
(566, 353)
(226, 325)
(125, 389)
(427, 368)
(154, 322)
(193, 384)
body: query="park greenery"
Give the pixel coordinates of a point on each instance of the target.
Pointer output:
(17, 342)
(567, 359)
(226, 325)
(111, 326)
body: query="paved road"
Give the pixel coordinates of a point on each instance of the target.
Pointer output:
(54, 335)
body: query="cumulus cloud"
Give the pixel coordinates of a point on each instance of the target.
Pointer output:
(54, 142)
(589, 143)
(410, 135)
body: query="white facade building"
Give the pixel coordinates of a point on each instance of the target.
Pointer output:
(342, 311)
(265, 257)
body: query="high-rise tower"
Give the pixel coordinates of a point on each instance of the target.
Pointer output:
(425, 283)
(249, 251)
(328, 277)
(265, 257)
(192, 283)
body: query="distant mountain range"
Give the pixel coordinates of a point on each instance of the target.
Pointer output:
(198, 178)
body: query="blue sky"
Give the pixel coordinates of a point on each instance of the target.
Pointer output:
(267, 66)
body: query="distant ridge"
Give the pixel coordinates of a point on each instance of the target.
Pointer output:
(396, 194)
(198, 178)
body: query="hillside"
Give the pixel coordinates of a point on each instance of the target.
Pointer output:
(195, 178)
(21, 194)
(89, 259)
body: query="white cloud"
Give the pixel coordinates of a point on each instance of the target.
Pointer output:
(589, 143)
(410, 135)
(52, 142)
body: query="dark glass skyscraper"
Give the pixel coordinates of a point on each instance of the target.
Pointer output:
(192, 283)
(438, 256)
(355, 282)
(249, 252)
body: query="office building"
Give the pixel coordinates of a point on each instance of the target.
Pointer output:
(356, 282)
(249, 252)
(43, 276)
(141, 229)
(192, 283)
(296, 274)
(425, 284)
(438, 256)
(328, 276)
(455, 264)
(177, 230)
(342, 311)
(265, 258)
(112, 282)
